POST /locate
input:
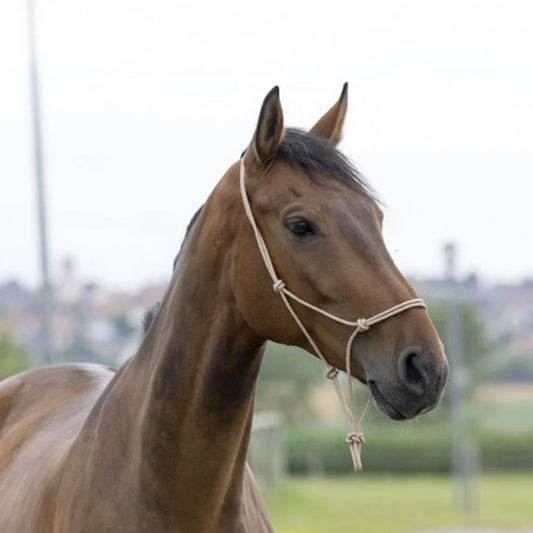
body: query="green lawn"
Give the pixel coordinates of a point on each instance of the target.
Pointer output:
(386, 504)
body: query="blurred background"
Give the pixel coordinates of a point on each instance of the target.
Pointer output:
(118, 118)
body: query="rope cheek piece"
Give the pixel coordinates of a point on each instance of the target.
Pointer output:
(354, 438)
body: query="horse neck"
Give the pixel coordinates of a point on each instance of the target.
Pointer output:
(191, 387)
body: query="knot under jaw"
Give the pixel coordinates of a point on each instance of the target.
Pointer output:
(332, 372)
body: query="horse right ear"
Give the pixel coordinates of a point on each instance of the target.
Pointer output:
(330, 125)
(268, 133)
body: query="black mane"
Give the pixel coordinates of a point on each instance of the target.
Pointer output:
(190, 225)
(316, 156)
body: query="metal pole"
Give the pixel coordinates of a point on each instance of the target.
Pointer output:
(461, 468)
(46, 288)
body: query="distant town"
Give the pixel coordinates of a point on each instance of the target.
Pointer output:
(95, 323)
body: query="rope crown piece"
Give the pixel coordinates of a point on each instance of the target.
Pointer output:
(354, 437)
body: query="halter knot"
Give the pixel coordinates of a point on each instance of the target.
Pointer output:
(332, 372)
(355, 441)
(362, 325)
(355, 437)
(279, 286)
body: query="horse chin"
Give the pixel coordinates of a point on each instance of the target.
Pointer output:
(384, 405)
(399, 407)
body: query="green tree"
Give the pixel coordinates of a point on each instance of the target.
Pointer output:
(287, 376)
(476, 347)
(13, 359)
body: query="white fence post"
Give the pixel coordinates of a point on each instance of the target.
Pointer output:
(265, 454)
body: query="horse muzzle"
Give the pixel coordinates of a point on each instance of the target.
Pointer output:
(416, 388)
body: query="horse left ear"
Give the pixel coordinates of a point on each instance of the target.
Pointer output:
(268, 133)
(330, 125)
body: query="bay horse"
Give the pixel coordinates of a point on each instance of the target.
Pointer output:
(160, 445)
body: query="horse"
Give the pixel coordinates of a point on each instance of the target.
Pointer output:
(160, 445)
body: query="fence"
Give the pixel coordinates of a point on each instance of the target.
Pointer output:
(265, 454)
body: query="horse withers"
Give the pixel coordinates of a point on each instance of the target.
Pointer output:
(160, 445)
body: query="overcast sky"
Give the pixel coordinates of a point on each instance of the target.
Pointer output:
(145, 105)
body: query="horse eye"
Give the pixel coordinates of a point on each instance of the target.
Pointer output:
(300, 226)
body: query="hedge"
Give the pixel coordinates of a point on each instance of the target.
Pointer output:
(403, 449)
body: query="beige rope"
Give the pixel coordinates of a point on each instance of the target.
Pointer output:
(354, 438)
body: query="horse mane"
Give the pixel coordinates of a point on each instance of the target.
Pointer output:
(317, 157)
(149, 316)
(190, 225)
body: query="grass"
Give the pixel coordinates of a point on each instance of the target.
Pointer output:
(390, 504)
(503, 416)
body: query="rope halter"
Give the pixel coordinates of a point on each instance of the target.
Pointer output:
(354, 438)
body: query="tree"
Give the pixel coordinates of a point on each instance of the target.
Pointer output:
(476, 347)
(13, 359)
(287, 376)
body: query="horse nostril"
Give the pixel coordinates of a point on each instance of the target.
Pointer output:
(411, 370)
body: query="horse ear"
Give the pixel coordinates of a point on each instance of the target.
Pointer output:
(330, 125)
(269, 131)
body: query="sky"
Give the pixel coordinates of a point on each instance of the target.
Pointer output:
(146, 104)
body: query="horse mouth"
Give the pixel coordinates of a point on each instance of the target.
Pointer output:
(383, 404)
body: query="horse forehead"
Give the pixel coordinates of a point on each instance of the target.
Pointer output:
(285, 183)
(349, 209)
(283, 178)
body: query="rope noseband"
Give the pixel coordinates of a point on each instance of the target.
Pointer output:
(354, 438)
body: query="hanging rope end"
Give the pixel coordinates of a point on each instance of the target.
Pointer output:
(355, 441)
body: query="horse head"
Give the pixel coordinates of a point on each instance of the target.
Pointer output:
(322, 226)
